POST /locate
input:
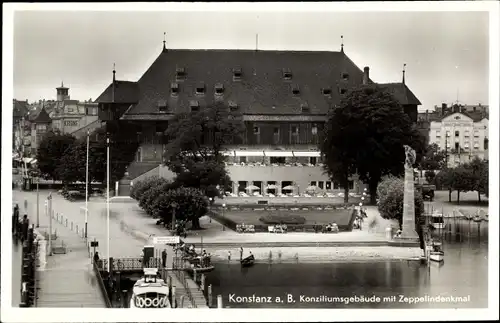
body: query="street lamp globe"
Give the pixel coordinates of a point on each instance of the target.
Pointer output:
(223, 205)
(362, 198)
(360, 204)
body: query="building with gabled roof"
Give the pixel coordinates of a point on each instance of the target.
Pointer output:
(284, 97)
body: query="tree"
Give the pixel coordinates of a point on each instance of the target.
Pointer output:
(430, 175)
(463, 180)
(72, 165)
(479, 175)
(390, 192)
(195, 149)
(367, 134)
(50, 152)
(433, 158)
(188, 203)
(446, 179)
(148, 191)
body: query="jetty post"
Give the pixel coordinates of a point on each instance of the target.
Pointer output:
(219, 301)
(210, 297)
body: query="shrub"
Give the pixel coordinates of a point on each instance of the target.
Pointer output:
(140, 187)
(390, 192)
(282, 219)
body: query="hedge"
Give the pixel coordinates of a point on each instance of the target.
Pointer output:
(282, 219)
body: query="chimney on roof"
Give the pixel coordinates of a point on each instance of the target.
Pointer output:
(366, 75)
(444, 107)
(113, 85)
(404, 71)
(164, 41)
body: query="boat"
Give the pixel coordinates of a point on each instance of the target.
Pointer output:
(437, 256)
(150, 291)
(199, 265)
(248, 261)
(436, 219)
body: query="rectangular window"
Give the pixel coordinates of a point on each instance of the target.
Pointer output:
(180, 73)
(328, 185)
(447, 134)
(342, 91)
(194, 106)
(294, 134)
(174, 89)
(351, 185)
(200, 89)
(162, 106)
(476, 133)
(457, 133)
(256, 130)
(327, 91)
(237, 73)
(295, 89)
(313, 183)
(321, 184)
(305, 108)
(219, 89)
(467, 134)
(256, 133)
(313, 160)
(276, 135)
(287, 74)
(438, 134)
(243, 159)
(345, 76)
(486, 142)
(457, 145)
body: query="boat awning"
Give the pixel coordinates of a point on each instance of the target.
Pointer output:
(278, 153)
(228, 153)
(307, 154)
(245, 153)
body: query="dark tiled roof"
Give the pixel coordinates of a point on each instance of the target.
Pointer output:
(402, 93)
(20, 109)
(39, 115)
(261, 87)
(125, 92)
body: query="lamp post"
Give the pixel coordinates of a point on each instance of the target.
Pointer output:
(37, 202)
(107, 206)
(174, 206)
(87, 185)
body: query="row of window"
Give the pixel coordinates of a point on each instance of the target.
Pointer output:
(466, 145)
(219, 90)
(194, 106)
(286, 73)
(324, 185)
(294, 130)
(457, 134)
(279, 160)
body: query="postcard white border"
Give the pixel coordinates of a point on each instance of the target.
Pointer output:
(10, 314)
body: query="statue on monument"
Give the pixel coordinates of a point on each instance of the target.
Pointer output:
(411, 156)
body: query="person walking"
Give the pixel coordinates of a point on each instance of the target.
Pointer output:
(241, 253)
(164, 258)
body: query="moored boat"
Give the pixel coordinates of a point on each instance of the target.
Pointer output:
(437, 256)
(248, 261)
(150, 291)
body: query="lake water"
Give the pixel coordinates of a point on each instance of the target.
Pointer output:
(463, 276)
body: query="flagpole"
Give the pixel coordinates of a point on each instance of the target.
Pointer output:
(87, 186)
(107, 205)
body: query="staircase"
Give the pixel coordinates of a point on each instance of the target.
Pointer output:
(136, 169)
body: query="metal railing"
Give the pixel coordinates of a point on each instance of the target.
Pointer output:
(178, 270)
(132, 264)
(101, 285)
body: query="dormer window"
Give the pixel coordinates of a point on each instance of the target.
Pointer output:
(327, 91)
(174, 89)
(219, 89)
(295, 89)
(287, 74)
(305, 108)
(194, 106)
(237, 74)
(342, 91)
(200, 89)
(162, 106)
(344, 76)
(180, 73)
(233, 106)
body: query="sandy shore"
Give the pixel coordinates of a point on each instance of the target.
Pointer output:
(318, 255)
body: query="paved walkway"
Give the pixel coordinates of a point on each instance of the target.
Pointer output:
(66, 280)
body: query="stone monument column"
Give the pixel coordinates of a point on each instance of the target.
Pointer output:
(408, 224)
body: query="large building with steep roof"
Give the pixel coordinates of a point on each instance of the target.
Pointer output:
(284, 97)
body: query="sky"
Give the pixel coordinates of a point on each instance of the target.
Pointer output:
(446, 52)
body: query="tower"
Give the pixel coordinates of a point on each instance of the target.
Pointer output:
(62, 93)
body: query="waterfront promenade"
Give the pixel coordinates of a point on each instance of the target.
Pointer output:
(126, 241)
(65, 280)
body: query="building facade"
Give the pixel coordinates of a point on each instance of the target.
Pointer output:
(69, 116)
(462, 134)
(284, 97)
(19, 113)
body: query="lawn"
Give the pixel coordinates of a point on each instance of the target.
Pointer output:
(342, 217)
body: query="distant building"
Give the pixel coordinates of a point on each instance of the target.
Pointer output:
(460, 130)
(70, 116)
(19, 112)
(284, 97)
(35, 127)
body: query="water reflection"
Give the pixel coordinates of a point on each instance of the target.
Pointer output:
(463, 274)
